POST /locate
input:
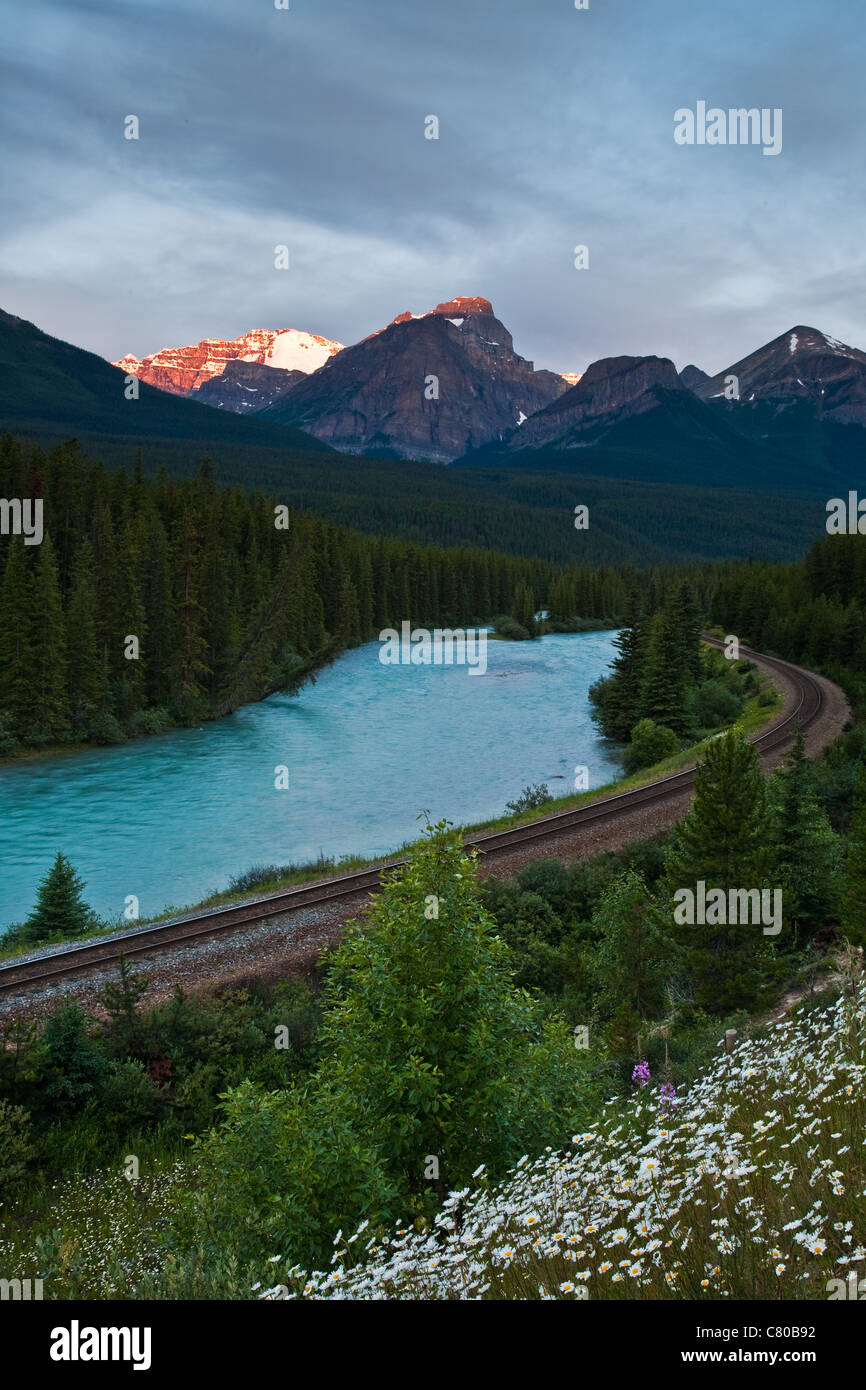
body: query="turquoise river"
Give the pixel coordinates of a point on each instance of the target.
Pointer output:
(367, 747)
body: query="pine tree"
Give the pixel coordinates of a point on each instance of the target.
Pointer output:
(633, 959)
(523, 609)
(617, 698)
(664, 677)
(88, 686)
(131, 696)
(348, 629)
(853, 913)
(722, 843)
(60, 909)
(427, 1042)
(16, 639)
(807, 852)
(190, 669)
(49, 704)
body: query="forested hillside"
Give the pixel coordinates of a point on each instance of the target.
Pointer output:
(521, 512)
(227, 599)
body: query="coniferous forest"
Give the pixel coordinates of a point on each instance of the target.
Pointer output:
(228, 601)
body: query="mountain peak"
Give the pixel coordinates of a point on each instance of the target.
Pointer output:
(464, 306)
(184, 369)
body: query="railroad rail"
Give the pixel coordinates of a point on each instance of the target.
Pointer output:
(74, 960)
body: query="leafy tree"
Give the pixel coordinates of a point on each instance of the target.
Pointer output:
(650, 743)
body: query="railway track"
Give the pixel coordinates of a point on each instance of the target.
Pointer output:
(77, 960)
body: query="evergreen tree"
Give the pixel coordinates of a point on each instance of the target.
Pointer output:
(722, 843)
(523, 609)
(60, 909)
(16, 639)
(190, 669)
(664, 678)
(633, 959)
(807, 852)
(88, 687)
(617, 698)
(49, 710)
(853, 914)
(426, 1039)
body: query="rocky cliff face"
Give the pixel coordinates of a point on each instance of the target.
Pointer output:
(800, 365)
(185, 369)
(429, 386)
(692, 377)
(246, 386)
(610, 390)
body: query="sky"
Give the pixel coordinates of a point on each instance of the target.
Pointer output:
(305, 127)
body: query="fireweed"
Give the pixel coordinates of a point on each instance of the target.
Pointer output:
(750, 1187)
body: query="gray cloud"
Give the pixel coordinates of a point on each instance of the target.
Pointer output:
(306, 127)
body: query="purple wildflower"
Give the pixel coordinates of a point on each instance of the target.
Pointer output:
(641, 1074)
(667, 1092)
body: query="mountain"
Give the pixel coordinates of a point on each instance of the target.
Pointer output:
(246, 386)
(692, 376)
(803, 365)
(185, 369)
(49, 388)
(795, 427)
(428, 386)
(610, 391)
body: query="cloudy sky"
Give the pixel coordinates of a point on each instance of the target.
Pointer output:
(306, 127)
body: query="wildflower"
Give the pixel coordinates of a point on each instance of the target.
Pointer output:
(641, 1074)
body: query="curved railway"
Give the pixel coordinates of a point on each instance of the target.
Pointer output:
(77, 960)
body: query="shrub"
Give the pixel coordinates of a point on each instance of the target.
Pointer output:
(529, 799)
(15, 1147)
(650, 743)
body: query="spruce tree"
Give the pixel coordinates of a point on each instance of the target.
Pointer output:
(523, 609)
(617, 698)
(88, 687)
(722, 843)
(853, 913)
(16, 638)
(49, 703)
(807, 852)
(60, 909)
(665, 675)
(633, 959)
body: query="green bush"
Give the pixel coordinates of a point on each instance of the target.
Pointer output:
(16, 1149)
(650, 743)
